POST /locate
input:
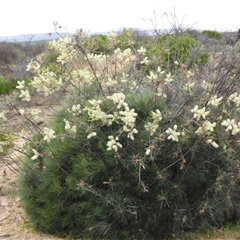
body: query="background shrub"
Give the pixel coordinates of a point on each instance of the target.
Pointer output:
(170, 51)
(6, 86)
(97, 44)
(212, 34)
(237, 46)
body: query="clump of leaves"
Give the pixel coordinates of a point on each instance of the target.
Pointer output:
(171, 51)
(212, 34)
(237, 46)
(97, 44)
(6, 143)
(7, 86)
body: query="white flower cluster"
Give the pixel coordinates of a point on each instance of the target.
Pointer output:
(34, 67)
(173, 134)
(47, 83)
(95, 112)
(83, 76)
(212, 143)
(169, 78)
(75, 110)
(151, 127)
(24, 93)
(207, 127)
(231, 126)
(113, 143)
(129, 117)
(215, 101)
(49, 134)
(122, 113)
(235, 97)
(198, 113)
(36, 154)
(65, 49)
(69, 127)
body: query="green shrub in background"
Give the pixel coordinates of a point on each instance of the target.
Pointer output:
(237, 46)
(7, 86)
(238, 34)
(212, 34)
(126, 38)
(170, 51)
(97, 44)
(129, 157)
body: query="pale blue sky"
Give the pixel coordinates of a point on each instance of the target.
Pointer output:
(37, 16)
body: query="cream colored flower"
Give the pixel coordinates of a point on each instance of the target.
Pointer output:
(141, 50)
(198, 113)
(173, 134)
(113, 144)
(25, 95)
(21, 84)
(49, 134)
(215, 101)
(152, 77)
(213, 143)
(168, 78)
(145, 61)
(36, 154)
(148, 151)
(90, 135)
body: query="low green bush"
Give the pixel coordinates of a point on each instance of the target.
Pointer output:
(212, 34)
(103, 44)
(7, 86)
(171, 51)
(97, 44)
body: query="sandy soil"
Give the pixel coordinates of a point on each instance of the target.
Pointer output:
(13, 222)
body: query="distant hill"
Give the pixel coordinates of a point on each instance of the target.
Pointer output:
(34, 38)
(42, 37)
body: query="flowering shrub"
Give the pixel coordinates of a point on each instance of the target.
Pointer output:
(129, 155)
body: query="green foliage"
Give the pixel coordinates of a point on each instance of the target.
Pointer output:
(192, 33)
(97, 44)
(170, 51)
(237, 46)
(212, 34)
(7, 86)
(78, 188)
(6, 143)
(238, 34)
(125, 39)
